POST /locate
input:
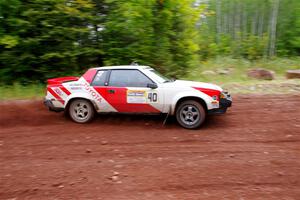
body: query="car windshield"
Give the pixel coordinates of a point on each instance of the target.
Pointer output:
(160, 77)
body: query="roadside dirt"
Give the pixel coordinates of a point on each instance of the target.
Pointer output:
(252, 152)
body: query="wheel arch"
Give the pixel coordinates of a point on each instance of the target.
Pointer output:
(84, 98)
(195, 98)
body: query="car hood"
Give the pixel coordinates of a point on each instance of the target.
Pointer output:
(183, 83)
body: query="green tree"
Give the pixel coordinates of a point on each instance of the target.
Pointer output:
(184, 37)
(288, 42)
(40, 39)
(128, 32)
(160, 33)
(53, 38)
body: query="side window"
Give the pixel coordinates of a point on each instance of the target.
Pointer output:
(128, 78)
(100, 78)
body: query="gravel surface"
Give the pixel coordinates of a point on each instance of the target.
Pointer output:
(252, 152)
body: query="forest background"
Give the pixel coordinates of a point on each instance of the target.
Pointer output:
(41, 39)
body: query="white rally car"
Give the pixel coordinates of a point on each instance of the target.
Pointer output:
(134, 89)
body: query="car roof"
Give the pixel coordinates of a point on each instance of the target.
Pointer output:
(124, 67)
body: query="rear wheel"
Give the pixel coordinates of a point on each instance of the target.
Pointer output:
(81, 111)
(190, 114)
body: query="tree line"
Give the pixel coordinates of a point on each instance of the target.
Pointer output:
(40, 39)
(252, 28)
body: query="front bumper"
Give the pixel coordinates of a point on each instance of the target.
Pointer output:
(48, 103)
(224, 103)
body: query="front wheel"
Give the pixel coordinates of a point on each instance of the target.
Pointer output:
(81, 111)
(190, 114)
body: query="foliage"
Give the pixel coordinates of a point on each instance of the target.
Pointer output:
(40, 39)
(46, 38)
(250, 28)
(158, 33)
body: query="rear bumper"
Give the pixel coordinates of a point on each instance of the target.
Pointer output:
(224, 104)
(48, 103)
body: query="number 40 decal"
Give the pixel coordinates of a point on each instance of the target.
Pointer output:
(152, 97)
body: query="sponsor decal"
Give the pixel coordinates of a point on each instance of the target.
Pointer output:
(75, 84)
(57, 91)
(136, 96)
(92, 92)
(75, 88)
(99, 74)
(215, 104)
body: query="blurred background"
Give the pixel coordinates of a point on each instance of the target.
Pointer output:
(205, 40)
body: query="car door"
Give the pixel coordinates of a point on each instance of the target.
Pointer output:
(128, 92)
(99, 84)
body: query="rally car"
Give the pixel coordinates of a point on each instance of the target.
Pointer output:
(135, 89)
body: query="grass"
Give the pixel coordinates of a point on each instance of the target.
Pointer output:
(278, 86)
(18, 91)
(236, 81)
(238, 69)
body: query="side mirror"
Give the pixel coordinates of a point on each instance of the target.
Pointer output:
(152, 85)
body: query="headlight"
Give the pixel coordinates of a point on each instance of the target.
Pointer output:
(224, 95)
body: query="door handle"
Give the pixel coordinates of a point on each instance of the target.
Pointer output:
(111, 91)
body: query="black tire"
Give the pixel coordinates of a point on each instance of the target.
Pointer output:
(81, 111)
(190, 114)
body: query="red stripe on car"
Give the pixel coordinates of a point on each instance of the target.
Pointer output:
(118, 100)
(89, 75)
(56, 96)
(59, 81)
(209, 92)
(65, 90)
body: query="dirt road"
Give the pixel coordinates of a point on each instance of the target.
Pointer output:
(252, 152)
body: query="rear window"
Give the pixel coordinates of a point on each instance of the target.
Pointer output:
(100, 78)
